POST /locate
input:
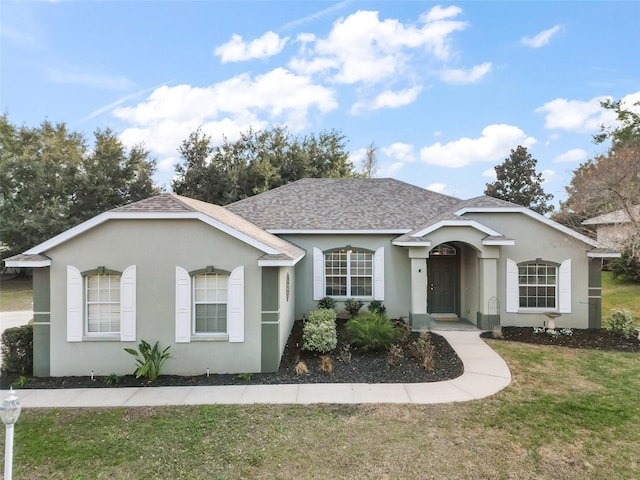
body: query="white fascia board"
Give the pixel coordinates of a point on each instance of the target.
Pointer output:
(534, 215)
(456, 223)
(28, 264)
(280, 263)
(508, 242)
(97, 220)
(285, 231)
(603, 255)
(426, 243)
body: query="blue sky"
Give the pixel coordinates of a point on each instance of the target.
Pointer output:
(443, 90)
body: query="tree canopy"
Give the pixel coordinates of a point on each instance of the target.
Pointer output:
(257, 162)
(50, 180)
(518, 182)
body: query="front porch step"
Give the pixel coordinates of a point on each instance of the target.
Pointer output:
(445, 317)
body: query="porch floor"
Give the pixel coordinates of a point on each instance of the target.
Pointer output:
(461, 324)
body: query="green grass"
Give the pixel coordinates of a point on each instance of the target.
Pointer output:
(15, 294)
(620, 293)
(568, 414)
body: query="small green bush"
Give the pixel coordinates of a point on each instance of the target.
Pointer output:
(319, 332)
(376, 306)
(327, 303)
(353, 306)
(17, 350)
(149, 360)
(371, 332)
(621, 323)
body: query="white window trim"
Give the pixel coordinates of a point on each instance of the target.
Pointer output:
(563, 289)
(224, 334)
(184, 321)
(77, 330)
(377, 280)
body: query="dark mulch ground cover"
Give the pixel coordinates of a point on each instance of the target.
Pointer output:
(359, 368)
(595, 338)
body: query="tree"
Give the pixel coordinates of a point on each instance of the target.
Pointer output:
(256, 162)
(369, 162)
(50, 181)
(518, 182)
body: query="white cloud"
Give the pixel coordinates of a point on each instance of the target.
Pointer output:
(389, 169)
(576, 115)
(363, 48)
(227, 108)
(237, 50)
(573, 155)
(490, 173)
(495, 143)
(400, 151)
(315, 16)
(388, 99)
(547, 175)
(88, 78)
(437, 187)
(461, 77)
(542, 38)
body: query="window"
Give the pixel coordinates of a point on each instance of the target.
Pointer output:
(537, 285)
(348, 272)
(103, 303)
(210, 303)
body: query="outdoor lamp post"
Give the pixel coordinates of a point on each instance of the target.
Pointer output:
(9, 413)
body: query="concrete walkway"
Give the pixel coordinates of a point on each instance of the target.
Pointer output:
(485, 373)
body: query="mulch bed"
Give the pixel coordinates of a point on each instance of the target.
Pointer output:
(593, 338)
(360, 368)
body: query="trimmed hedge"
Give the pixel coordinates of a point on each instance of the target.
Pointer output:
(319, 332)
(17, 350)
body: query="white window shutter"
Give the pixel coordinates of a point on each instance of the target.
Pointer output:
(183, 306)
(75, 320)
(513, 299)
(128, 305)
(318, 274)
(235, 306)
(564, 287)
(378, 273)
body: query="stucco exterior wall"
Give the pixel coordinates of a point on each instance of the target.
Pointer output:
(397, 281)
(533, 240)
(156, 247)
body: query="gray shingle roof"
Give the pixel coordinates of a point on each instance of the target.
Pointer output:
(619, 216)
(166, 202)
(344, 204)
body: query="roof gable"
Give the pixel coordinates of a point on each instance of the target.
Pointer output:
(619, 216)
(171, 206)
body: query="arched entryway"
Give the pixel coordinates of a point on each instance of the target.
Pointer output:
(443, 286)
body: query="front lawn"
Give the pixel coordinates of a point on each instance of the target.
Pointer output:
(569, 413)
(619, 293)
(15, 293)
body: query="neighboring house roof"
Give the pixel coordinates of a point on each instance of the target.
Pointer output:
(277, 251)
(619, 216)
(343, 204)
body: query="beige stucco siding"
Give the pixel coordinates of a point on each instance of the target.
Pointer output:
(396, 268)
(533, 240)
(156, 247)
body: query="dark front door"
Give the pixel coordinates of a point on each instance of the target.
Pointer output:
(443, 282)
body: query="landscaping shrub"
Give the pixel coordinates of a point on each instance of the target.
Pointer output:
(17, 350)
(376, 306)
(621, 323)
(327, 303)
(319, 332)
(371, 332)
(423, 350)
(353, 306)
(149, 360)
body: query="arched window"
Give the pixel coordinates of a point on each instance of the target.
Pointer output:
(103, 303)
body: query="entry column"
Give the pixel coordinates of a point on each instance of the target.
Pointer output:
(418, 314)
